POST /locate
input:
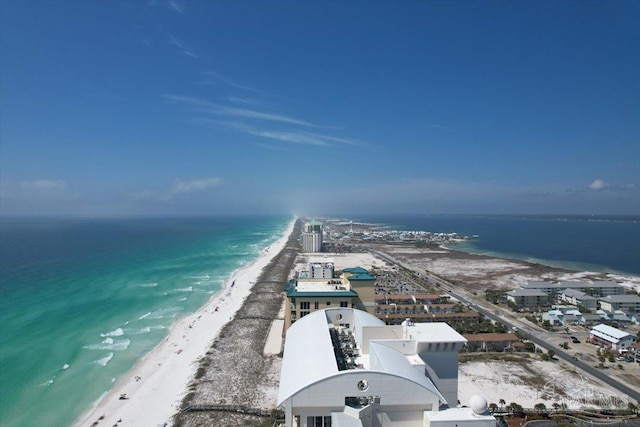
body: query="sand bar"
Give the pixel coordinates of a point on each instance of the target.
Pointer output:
(156, 384)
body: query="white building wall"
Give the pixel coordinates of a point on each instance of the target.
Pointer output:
(328, 395)
(442, 369)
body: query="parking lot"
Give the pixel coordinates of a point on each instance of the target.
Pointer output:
(626, 372)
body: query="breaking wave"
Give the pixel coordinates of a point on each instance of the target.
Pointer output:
(112, 345)
(148, 285)
(115, 333)
(105, 360)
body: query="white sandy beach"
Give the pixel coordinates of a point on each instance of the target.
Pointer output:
(156, 385)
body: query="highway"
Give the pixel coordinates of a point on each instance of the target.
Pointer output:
(540, 338)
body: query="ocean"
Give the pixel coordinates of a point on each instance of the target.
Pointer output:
(81, 300)
(609, 244)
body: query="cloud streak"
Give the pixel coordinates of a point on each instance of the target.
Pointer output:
(177, 7)
(245, 113)
(221, 79)
(194, 186)
(44, 185)
(305, 138)
(178, 189)
(173, 5)
(183, 47)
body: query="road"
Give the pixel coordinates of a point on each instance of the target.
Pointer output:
(539, 337)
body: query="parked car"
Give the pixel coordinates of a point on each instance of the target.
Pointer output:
(574, 339)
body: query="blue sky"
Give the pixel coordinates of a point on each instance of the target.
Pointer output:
(198, 107)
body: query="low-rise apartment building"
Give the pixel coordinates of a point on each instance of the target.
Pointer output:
(578, 298)
(628, 303)
(610, 337)
(490, 341)
(528, 298)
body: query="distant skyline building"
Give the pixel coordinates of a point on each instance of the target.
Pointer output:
(312, 237)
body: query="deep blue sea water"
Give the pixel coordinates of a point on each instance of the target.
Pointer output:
(592, 243)
(81, 300)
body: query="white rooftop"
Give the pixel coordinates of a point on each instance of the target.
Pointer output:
(622, 298)
(320, 286)
(302, 367)
(527, 293)
(610, 331)
(433, 332)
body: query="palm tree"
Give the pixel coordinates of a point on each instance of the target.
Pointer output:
(540, 407)
(502, 402)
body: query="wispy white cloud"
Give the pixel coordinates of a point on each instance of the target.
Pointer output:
(598, 184)
(173, 5)
(294, 137)
(345, 141)
(244, 101)
(44, 185)
(253, 114)
(38, 190)
(307, 138)
(272, 147)
(291, 136)
(184, 48)
(224, 80)
(176, 6)
(179, 188)
(223, 110)
(196, 185)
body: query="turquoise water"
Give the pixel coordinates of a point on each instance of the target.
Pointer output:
(595, 243)
(81, 300)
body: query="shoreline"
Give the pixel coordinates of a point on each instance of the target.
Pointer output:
(155, 386)
(562, 265)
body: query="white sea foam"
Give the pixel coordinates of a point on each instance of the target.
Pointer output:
(187, 289)
(115, 333)
(107, 340)
(141, 331)
(65, 366)
(144, 316)
(156, 317)
(148, 285)
(48, 383)
(104, 360)
(183, 299)
(120, 345)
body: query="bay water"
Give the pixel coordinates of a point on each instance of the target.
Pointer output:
(609, 244)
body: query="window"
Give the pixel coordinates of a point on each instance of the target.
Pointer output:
(304, 305)
(321, 421)
(316, 305)
(303, 313)
(344, 303)
(328, 302)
